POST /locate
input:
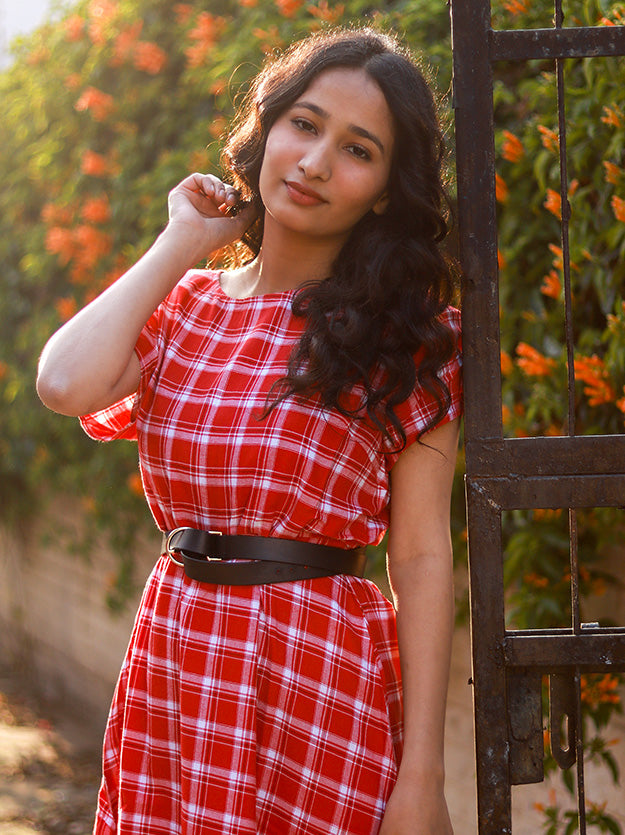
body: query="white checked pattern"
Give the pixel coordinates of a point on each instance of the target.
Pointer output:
(266, 709)
(207, 460)
(263, 709)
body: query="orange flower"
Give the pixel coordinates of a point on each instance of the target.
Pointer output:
(149, 57)
(553, 203)
(613, 173)
(96, 210)
(322, 11)
(542, 514)
(205, 28)
(551, 285)
(248, 4)
(592, 372)
(597, 689)
(512, 148)
(506, 414)
(536, 580)
(91, 244)
(124, 44)
(516, 7)
(270, 38)
(217, 126)
(288, 8)
(501, 260)
(558, 260)
(613, 116)
(3, 370)
(501, 189)
(60, 241)
(74, 27)
(65, 307)
(100, 104)
(53, 213)
(205, 33)
(620, 404)
(550, 139)
(101, 12)
(618, 207)
(94, 164)
(553, 431)
(506, 363)
(135, 484)
(532, 362)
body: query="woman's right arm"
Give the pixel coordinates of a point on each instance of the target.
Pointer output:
(90, 362)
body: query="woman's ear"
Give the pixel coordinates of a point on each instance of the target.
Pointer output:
(381, 205)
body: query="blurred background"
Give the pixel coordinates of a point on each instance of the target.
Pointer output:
(106, 104)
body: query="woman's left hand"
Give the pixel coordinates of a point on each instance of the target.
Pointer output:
(416, 808)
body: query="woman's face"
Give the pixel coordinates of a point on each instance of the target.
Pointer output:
(328, 157)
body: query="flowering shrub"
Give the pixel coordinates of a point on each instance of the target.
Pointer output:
(112, 102)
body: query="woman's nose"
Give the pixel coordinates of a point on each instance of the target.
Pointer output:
(315, 163)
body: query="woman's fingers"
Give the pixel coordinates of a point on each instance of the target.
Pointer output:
(205, 192)
(212, 208)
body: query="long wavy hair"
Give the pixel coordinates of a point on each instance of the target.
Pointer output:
(380, 305)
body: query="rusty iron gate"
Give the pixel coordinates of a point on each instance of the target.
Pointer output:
(567, 472)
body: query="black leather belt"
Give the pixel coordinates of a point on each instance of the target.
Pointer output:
(265, 559)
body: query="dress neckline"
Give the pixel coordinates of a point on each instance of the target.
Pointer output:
(275, 295)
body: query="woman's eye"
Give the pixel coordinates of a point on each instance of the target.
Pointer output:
(359, 151)
(303, 124)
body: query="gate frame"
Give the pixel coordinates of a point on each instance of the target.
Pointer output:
(501, 473)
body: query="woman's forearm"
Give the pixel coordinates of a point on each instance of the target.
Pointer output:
(423, 590)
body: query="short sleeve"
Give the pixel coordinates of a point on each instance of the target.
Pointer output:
(119, 420)
(421, 407)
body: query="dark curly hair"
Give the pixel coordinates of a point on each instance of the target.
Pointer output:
(390, 282)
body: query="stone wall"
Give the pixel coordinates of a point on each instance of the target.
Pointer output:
(54, 619)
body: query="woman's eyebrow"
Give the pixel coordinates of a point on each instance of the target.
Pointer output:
(366, 134)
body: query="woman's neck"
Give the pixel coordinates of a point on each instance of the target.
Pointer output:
(286, 261)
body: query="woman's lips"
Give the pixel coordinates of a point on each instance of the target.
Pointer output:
(303, 196)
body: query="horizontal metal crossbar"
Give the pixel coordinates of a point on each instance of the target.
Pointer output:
(558, 491)
(595, 650)
(559, 456)
(582, 42)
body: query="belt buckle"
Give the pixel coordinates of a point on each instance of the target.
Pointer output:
(170, 550)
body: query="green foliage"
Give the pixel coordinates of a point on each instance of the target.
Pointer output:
(112, 102)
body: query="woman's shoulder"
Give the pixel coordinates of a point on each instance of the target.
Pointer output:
(200, 281)
(196, 287)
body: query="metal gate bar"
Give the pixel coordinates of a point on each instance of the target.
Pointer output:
(565, 472)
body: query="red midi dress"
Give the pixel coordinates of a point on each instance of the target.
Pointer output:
(272, 709)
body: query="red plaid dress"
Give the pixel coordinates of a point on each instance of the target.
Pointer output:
(269, 709)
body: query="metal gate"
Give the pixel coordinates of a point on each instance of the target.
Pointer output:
(503, 474)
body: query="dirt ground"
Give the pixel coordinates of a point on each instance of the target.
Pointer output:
(49, 765)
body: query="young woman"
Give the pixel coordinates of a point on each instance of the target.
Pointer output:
(298, 405)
